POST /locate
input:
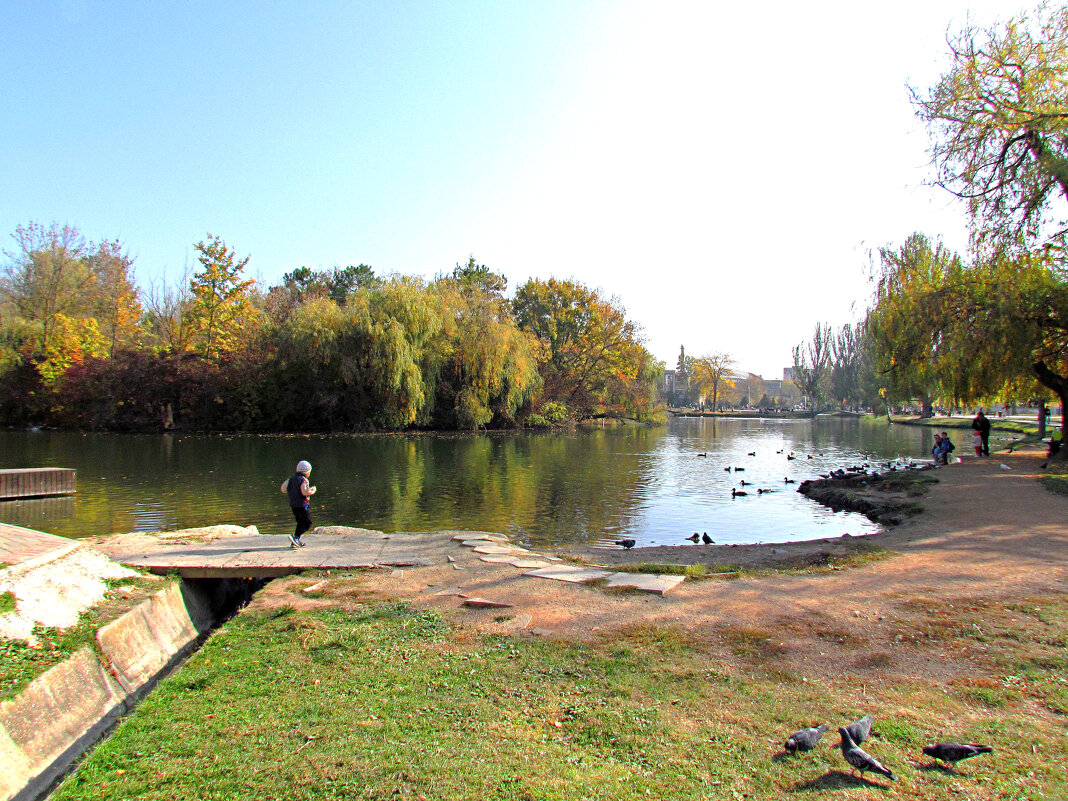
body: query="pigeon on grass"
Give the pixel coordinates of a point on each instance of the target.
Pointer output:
(861, 730)
(952, 753)
(806, 739)
(859, 759)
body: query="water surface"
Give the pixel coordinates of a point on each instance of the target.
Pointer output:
(589, 486)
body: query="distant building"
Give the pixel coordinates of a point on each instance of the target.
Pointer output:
(788, 374)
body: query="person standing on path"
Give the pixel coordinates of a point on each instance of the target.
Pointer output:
(982, 425)
(299, 490)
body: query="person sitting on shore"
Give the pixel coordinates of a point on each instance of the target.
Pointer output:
(936, 451)
(947, 447)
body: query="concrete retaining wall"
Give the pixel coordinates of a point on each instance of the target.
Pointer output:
(70, 707)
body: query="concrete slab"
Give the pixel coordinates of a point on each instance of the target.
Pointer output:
(645, 582)
(450, 591)
(498, 549)
(479, 535)
(570, 573)
(498, 559)
(144, 641)
(527, 564)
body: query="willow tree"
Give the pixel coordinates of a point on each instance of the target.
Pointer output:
(999, 125)
(491, 368)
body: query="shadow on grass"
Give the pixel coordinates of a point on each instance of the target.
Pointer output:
(837, 780)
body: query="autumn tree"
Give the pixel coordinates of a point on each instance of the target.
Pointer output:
(221, 308)
(114, 300)
(593, 357)
(712, 374)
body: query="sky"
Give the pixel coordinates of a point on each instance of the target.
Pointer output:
(723, 170)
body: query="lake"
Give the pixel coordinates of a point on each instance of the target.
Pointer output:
(587, 486)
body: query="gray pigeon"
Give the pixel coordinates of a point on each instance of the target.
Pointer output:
(860, 759)
(952, 753)
(861, 730)
(806, 739)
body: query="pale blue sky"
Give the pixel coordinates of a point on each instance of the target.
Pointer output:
(721, 170)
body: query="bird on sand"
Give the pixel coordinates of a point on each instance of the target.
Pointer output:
(628, 544)
(859, 759)
(707, 540)
(735, 493)
(806, 739)
(952, 753)
(861, 730)
(694, 537)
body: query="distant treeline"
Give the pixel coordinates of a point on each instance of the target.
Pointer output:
(325, 350)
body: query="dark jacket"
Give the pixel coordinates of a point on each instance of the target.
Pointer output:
(297, 499)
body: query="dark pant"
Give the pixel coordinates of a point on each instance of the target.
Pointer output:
(986, 442)
(304, 521)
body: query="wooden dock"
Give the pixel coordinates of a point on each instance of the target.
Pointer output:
(38, 482)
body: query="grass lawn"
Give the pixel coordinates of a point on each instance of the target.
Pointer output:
(377, 700)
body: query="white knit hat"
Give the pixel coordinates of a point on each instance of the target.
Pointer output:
(303, 467)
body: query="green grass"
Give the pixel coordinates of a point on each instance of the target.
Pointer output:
(1055, 477)
(7, 602)
(21, 663)
(387, 701)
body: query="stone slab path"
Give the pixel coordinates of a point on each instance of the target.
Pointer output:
(222, 552)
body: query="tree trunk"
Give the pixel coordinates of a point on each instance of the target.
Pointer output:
(1057, 383)
(926, 412)
(1041, 418)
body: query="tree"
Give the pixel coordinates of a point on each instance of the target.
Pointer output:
(999, 124)
(167, 313)
(45, 277)
(593, 358)
(712, 372)
(811, 361)
(221, 307)
(853, 380)
(113, 297)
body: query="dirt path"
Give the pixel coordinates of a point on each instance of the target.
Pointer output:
(989, 538)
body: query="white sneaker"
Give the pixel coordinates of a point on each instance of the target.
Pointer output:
(294, 542)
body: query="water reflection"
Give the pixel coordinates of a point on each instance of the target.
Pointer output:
(651, 484)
